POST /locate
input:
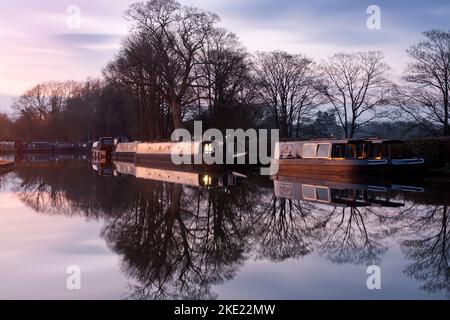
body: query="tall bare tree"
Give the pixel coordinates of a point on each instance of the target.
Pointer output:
(287, 85)
(137, 69)
(426, 98)
(224, 85)
(41, 107)
(355, 85)
(177, 34)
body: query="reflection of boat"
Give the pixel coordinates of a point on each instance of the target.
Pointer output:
(347, 156)
(6, 166)
(191, 178)
(103, 169)
(37, 159)
(341, 193)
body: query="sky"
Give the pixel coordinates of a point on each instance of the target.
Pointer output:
(42, 40)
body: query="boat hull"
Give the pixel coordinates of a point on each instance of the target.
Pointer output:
(300, 167)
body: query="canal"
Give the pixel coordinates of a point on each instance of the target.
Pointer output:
(137, 233)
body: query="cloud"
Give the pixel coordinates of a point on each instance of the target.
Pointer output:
(87, 38)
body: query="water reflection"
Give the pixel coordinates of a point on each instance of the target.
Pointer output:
(180, 234)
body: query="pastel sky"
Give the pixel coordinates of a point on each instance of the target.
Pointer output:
(37, 44)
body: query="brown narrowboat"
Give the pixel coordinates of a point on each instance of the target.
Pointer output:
(341, 157)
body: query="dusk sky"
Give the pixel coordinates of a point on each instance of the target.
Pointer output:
(37, 45)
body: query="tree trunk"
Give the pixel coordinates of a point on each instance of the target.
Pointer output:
(176, 114)
(446, 125)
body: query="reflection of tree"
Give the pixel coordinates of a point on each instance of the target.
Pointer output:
(294, 228)
(428, 236)
(354, 235)
(285, 229)
(2, 180)
(71, 189)
(176, 241)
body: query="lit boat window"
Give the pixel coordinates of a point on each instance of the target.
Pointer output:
(108, 142)
(338, 150)
(376, 151)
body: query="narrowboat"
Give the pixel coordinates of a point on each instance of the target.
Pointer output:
(62, 147)
(341, 157)
(102, 150)
(187, 154)
(125, 151)
(33, 147)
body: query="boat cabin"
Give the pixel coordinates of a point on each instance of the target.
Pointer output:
(363, 149)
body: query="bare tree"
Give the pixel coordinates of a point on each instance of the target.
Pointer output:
(177, 34)
(46, 98)
(426, 98)
(137, 69)
(42, 105)
(355, 85)
(287, 85)
(224, 86)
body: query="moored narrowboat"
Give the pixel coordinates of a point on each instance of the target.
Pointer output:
(341, 157)
(33, 147)
(125, 151)
(102, 150)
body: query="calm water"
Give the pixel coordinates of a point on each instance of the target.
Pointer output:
(240, 238)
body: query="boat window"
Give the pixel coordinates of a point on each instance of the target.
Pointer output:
(350, 153)
(360, 151)
(338, 150)
(323, 150)
(309, 150)
(322, 194)
(108, 142)
(375, 152)
(309, 192)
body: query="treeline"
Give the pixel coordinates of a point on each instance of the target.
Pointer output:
(177, 65)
